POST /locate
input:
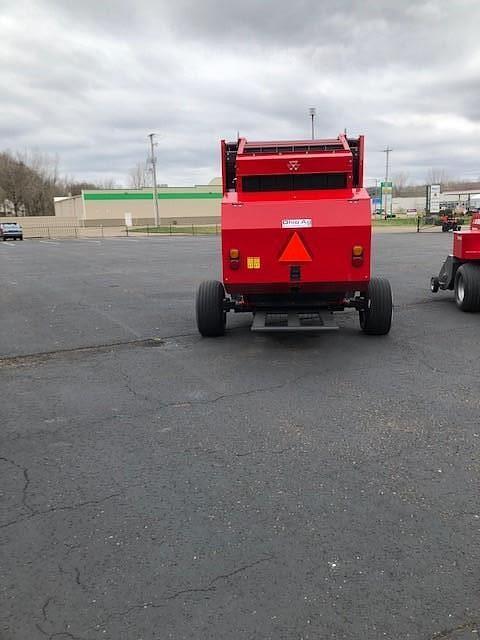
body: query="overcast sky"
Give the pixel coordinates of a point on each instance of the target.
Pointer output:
(90, 79)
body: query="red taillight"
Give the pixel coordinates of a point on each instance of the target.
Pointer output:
(357, 255)
(234, 259)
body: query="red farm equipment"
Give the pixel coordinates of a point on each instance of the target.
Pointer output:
(461, 270)
(296, 239)
(450, 221)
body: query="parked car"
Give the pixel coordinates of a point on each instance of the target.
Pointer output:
(11, 230)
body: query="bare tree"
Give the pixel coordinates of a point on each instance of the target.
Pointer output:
(400, 182)
(17, 183)
(106, 183)
(137, 176)
(438, 176)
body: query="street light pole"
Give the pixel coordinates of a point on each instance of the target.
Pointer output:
(387, 152)
(154, 172)
(312, 111)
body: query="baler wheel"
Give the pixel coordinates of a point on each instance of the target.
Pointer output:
(211, 317)
(467, 287)
(376, 318)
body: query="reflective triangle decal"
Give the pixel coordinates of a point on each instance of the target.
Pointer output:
(295, 251)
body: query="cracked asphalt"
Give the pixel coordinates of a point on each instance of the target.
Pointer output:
(157, 485)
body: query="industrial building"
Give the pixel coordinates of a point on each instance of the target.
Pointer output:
(116, 207)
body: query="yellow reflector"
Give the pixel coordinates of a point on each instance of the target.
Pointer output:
(357, 251)
(234, 254)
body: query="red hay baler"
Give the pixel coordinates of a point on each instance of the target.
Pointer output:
(296, 239)
(461, 270)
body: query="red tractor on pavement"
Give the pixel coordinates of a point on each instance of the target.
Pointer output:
(461, 270)
(296, 239)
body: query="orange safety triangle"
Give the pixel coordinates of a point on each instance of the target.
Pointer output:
(295, 251)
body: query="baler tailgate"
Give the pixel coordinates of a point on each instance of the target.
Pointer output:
(277, 321)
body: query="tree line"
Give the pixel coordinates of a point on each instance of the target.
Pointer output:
(30, 181)
(403, 187)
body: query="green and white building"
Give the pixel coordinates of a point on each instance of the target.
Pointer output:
(116, 207)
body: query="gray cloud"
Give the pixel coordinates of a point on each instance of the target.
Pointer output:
(90, 80)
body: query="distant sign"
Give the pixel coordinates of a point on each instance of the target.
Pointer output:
(433, 198)
(386, 190)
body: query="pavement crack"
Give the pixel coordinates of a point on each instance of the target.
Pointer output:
(42, 631)
(207, 589)
(78, 581)
(44, 356)
(185, 591)
(72, 507)
(241, 569)
(26, 479)
(65, 634)
(447, 633)
(128, 384)
(238, 394)
(44, 609)
(273, 452)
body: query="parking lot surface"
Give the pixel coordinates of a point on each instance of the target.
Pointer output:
(155, 484)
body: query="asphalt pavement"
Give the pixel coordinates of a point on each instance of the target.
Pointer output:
(154, 484)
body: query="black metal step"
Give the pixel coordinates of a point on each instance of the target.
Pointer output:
(276, 321)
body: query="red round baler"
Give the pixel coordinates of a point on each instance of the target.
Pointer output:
(296, 239)
(461, 270)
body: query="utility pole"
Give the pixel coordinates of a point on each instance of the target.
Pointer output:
(153, 160)
(387, 152)
(312, 111)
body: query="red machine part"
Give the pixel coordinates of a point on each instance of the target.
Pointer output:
(475, 223)
(466, 244)
(295, 214)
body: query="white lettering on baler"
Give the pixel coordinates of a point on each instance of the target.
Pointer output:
(296, 223)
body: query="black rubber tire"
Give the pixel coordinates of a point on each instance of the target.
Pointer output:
(467, 287)
(211, 317)
(376, 318)
(434, 285)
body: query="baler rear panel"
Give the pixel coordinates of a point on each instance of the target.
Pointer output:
(255, 230)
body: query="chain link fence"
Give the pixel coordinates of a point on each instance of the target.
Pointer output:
(421, 223)
(58, 231)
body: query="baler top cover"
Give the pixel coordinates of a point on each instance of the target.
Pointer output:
(260, 170)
